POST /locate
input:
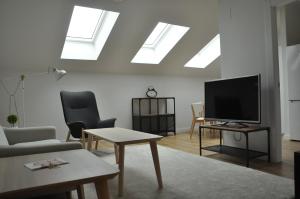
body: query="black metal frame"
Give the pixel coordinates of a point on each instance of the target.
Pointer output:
(234, 151)
(259, 103)
(297, 174)
(157, 118)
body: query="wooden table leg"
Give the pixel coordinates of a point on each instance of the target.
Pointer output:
(200, 140)
(102, 189)
(247, 150)
(116, 153)
(90, 142)
(121, 168)
(83, 139)
(155, 157)
(269, 145)
(97, 144)
(80, 192)
(68, 195)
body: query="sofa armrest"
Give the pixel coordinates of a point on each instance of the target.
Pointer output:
(8, 151)
(29, 134)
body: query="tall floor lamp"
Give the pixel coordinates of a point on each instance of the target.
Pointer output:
(58, 73)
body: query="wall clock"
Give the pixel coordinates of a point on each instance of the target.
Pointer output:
(151, 92)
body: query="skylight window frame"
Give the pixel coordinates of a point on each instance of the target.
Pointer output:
(200, 61)
(160, 36)
(163, 45)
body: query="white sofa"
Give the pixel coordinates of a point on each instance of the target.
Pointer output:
(32, 140)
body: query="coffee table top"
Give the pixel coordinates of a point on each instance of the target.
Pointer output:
(122, 136)
(83, 167)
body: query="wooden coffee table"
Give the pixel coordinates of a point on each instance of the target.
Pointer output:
(121, 137)
(17, 181)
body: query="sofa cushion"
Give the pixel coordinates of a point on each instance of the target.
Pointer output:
(3, 139)
(38, 143)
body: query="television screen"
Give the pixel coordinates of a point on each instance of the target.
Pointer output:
(233, 100)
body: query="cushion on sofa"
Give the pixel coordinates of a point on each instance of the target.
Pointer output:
(38, 143)
(3, 139)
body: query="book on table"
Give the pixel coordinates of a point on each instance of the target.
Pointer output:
(42, 164)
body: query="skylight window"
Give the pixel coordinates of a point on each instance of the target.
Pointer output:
(88, 31)
(159, 43)
(84, 22)
(206, 55)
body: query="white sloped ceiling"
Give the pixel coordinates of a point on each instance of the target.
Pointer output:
(32, 34)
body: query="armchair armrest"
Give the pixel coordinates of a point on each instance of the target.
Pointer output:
(109, 123)
(29, 134)
(8, 151)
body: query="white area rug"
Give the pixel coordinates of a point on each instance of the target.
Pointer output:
(191, 176)
(188, 176)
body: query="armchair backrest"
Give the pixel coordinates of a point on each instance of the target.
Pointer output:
(80, 106)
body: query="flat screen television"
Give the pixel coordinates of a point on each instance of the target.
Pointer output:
(236, 100)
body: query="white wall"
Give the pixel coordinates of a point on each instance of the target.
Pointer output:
(113, 93)
(247, 48)
(282, 45)
(292, 76)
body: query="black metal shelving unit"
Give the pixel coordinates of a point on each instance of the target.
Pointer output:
(154, 115)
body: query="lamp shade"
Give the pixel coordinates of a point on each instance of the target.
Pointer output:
(59, 73)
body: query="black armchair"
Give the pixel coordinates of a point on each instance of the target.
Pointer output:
(81, 112)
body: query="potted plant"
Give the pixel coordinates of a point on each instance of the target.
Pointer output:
(12, 120)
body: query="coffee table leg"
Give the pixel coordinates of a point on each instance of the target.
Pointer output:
(97, 144)
(68, 195)
(155, 157)
(83, 139)
(121, 168)
(90, 142)
(80, 192)
(102, 189)
(116, 153)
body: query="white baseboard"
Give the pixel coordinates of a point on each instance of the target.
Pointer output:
(286, 136)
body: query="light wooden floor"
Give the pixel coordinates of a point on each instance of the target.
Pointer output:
(183, 142)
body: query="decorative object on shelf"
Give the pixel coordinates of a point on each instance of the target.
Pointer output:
(154, 115)
(58, 73)
(151, 92)
(12, 120)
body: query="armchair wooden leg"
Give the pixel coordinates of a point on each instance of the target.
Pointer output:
(68, 136)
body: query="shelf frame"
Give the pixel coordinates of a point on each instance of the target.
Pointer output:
(156, 117)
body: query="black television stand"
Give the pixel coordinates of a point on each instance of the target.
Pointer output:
(237, 125)
(245, 153)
